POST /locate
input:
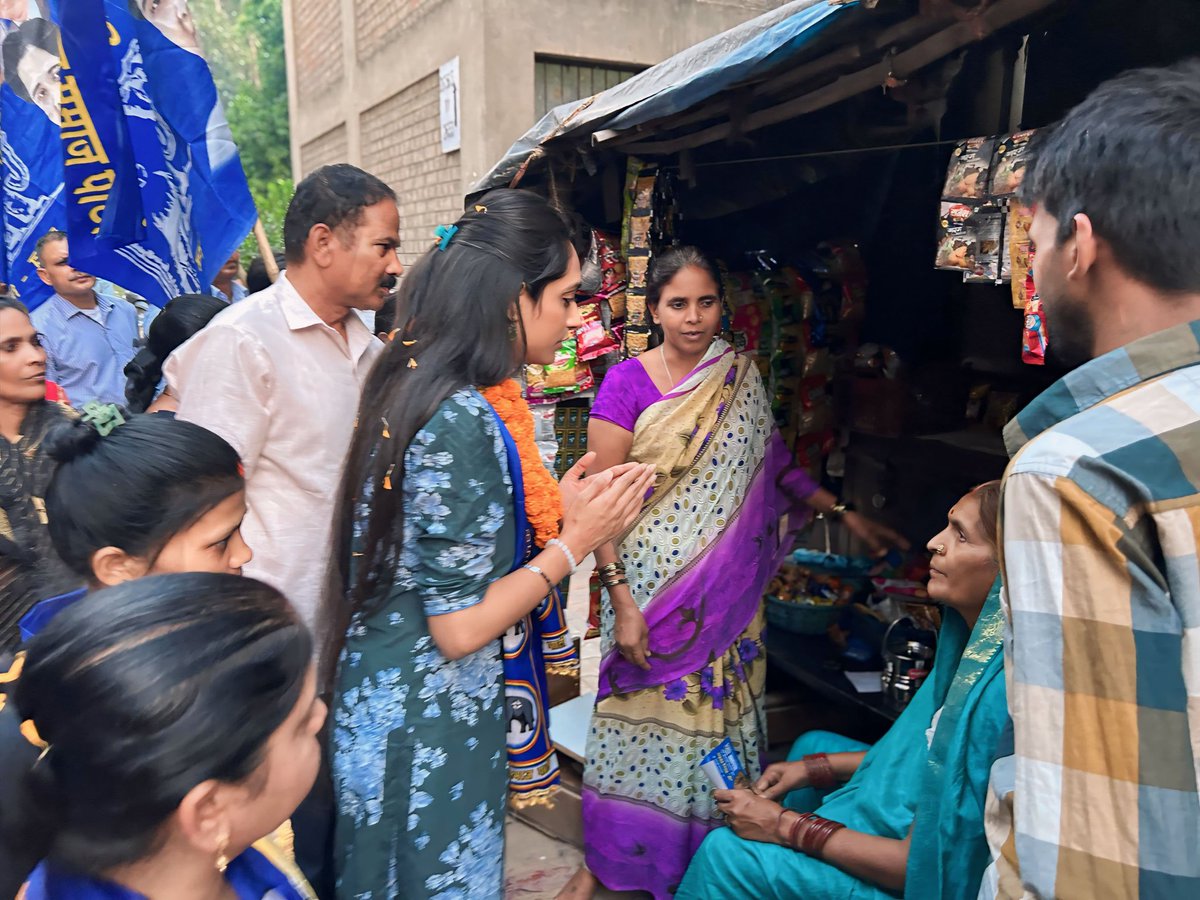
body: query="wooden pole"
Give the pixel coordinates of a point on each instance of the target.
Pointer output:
(265, 251)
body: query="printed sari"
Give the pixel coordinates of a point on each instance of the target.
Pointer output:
(698, 560)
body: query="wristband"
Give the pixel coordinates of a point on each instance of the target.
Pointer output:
(566, 551)
(820, 771)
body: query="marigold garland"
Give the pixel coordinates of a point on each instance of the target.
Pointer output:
(543, 501)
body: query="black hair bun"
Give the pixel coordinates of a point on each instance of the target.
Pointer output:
(71, 440)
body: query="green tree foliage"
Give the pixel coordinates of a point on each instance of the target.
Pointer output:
(243, 41)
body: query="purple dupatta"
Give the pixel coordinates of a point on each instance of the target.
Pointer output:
(701, 608)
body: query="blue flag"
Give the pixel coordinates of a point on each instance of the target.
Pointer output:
(132, 156)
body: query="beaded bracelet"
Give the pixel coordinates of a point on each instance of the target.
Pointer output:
(537, 571)
(555, 542)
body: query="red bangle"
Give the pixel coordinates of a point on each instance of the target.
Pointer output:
(820, 771)
(800, 820)
(817, 835)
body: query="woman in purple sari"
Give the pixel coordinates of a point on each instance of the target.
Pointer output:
(683, 665)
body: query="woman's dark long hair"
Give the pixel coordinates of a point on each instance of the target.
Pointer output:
(179, 320)
(135, 488)
(142, 692)
(455, 329)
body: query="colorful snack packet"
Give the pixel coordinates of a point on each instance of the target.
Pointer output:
(724, 768)
(1010, 162)
(967, 175)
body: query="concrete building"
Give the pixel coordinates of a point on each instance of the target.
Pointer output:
(364, 86)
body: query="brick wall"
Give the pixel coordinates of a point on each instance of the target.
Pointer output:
(378, 23)
(317, 25)
(321, 151)
(401, 143)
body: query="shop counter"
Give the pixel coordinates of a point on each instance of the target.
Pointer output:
(812, 661)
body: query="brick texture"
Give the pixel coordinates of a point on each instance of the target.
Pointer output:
(377, 23)
(317, 25)
(321, 151)
(401, 143)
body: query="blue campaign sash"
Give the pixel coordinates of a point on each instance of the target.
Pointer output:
(540, 640)
(252, 876)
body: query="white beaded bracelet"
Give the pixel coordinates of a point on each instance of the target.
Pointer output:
(555, 542)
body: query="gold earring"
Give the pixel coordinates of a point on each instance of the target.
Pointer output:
(222, 851)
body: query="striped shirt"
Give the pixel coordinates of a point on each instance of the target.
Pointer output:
(87, 349)
(1100, 533)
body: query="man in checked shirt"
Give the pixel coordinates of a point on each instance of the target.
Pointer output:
(1100, 518)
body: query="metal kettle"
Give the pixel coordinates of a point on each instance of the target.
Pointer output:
(907, 660)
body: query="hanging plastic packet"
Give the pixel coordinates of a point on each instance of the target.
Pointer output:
(957, 242)
(1035, 340)
(988, 223)
(1010, 162)
(967, 176)
(591, 339)
(1019, 259)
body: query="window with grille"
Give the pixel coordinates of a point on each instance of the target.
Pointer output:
(561, 80)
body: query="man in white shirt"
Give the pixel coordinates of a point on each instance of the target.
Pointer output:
(279, 374)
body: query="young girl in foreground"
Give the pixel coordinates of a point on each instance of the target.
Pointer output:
(178, 717)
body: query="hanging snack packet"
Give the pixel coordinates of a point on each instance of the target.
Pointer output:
(988, 222)
(1010, 162)
(967, 176)
(591, 338)
(957, 244)
(1035, 340)
(1019, 258)
(637, 339)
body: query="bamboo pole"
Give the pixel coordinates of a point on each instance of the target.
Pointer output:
(265, 251)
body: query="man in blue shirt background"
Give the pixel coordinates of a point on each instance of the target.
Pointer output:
(88, 336)
(224, 287)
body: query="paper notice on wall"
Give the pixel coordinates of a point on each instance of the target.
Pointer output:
(448, 89)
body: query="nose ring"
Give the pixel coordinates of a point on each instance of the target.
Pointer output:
(940, 549)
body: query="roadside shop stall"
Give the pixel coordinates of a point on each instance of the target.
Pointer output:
(854, 169)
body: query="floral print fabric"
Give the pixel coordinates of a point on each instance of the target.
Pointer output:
(418, 740)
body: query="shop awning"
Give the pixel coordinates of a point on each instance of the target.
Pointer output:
(801, 57)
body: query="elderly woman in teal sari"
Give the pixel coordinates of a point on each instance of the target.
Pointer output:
(683, 665)
(902, 818)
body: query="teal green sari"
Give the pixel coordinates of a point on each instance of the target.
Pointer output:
(900, 782)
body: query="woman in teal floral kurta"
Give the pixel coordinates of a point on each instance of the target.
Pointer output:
(401, 705)
(427, 576)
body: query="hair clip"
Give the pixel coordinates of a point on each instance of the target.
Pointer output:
(387, 432)
(30, 733)
(445, 234)
(412, 363)
(408, 343)
(479, 208)
(387, 478)
(104, 417)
